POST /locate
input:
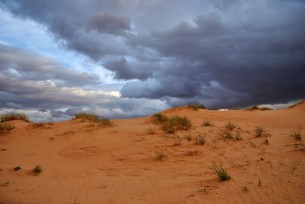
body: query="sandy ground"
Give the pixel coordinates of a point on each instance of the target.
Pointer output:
(82, 163)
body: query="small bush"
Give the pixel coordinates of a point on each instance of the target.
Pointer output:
(176, 123)
(200, 140)
(230, 126)
(196, 106)
(158, 118)
(5, 128)
(222, 174)
(87, 116)
(38, 125)
(207, 123)
(37, 170)
(160, 155)
(297, 135)
(14, 116)
(260, 132)
(105, 123)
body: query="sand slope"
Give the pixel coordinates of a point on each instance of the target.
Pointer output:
(83, 163)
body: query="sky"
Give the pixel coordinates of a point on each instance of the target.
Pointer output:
(132, 58)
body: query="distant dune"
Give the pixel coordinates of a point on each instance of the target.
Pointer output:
(137, 161)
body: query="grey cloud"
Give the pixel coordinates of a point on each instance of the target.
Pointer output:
(109, 23)
(224, 53)
(16, 63)
(124, 69)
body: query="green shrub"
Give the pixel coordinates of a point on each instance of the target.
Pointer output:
(176, 123)
(87, 116)
(14, 116)
(5, 128)
(158, 118)
(105, 123)
(196, 106)
(222, 174)
(91, 117)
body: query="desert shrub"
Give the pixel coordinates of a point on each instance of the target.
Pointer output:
(200, 140)
(14, 116)
(160, 155)
(158, 118)
(105, 123)
(196, 106)
(176, 123)
(38, 125)
(297, 135)
(207, 123)
(222, 174)
(37, 170)
(230, 126)
(91, 117)
(5, 128)
(253, 108)
(87, 116)
(260, 132)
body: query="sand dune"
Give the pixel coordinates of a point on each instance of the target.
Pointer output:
(84, 163)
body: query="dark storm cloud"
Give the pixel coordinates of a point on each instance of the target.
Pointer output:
(222, 52)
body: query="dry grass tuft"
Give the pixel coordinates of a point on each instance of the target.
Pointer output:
(160, 155)
(297, 135)
(171, 124)
(14, 116)
(222, 174)
(196, 106)
(5, 128)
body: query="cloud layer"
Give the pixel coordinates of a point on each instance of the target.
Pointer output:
(222, 53)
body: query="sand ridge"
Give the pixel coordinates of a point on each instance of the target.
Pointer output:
(83, 163)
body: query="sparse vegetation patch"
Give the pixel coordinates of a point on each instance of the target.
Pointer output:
(13, 116)
(260, 132)
(37, 170)
(102, 122)
(160, 155)
(176, 123)
(207, 123)
(200, 140)
(196, 106)
(222, 174)
(5, 128)
(230, 126)
(105, 123)
(297, 135)
(158, 118)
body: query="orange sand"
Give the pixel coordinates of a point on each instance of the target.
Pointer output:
(82, 163)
